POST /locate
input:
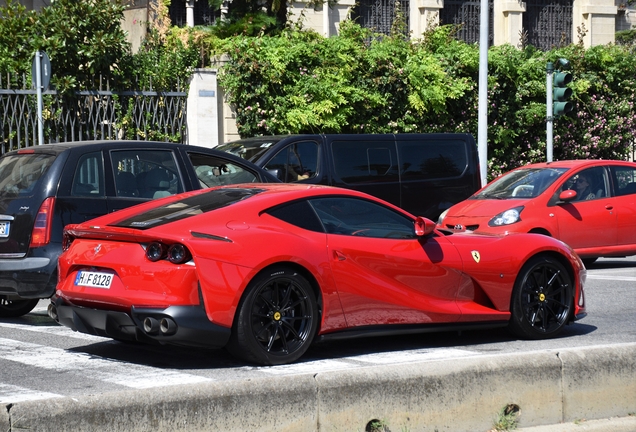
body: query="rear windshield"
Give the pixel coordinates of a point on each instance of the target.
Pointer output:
(19, 173)
(187, 207)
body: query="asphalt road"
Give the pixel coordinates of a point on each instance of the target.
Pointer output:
(40, 359)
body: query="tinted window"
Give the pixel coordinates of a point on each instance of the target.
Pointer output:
(213, 171)
(295, 162)
(146, 173)
(358, 217)
(430, 160)
(19, 173)
(365, 161)
(298, 213)
(89, 176)
(624, 179)
(187, 207)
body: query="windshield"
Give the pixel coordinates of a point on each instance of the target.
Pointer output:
(19, 173)
(250, 150)
(522, 183)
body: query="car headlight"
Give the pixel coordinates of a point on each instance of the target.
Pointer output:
(506, 218)
(440, 219)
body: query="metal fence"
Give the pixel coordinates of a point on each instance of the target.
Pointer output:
(548, 23)
(89, 115)
(466, 14)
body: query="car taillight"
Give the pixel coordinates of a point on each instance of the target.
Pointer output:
(176, 253)
(41, 234)
(155, 251)
(66, 241)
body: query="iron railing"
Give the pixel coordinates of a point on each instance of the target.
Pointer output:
(89, 115)
(548, 23)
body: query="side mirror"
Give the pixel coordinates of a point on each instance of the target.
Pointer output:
(567, 195)
(423, 226)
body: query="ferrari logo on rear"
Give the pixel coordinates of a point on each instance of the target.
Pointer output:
(476, 256)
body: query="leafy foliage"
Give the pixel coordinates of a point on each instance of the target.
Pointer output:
(301, 82)
(290, 80)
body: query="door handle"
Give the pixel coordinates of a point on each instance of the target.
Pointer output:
(339, 256)
(609, 207)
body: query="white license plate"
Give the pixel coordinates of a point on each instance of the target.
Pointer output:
(94, 279)
(4, 229)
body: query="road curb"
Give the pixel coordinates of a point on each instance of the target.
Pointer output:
(464, 394)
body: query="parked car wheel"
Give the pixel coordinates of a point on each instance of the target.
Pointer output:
(277, 319)
(541, 299)
(15, 308)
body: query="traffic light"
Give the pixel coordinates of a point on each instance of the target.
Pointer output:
(562, 93)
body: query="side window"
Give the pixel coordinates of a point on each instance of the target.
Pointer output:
(296, 162)
(89, 176)
(624, 179)
(298, 213)
(365, 161)
(146, 173)
(431, 160)
(589, 184)
(358, 217)
(214, 171)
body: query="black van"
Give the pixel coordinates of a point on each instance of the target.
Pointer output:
(422, 173)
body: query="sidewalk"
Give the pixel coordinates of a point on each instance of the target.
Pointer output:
(615, 424)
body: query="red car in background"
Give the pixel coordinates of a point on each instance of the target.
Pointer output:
(588, 204)
(264, 270)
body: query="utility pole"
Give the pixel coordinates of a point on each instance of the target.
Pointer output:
(482, 113)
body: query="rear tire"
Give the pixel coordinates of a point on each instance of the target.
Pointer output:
(276, 320)
(15, 308)
(541, 299)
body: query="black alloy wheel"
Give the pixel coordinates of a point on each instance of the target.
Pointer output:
(277, 319)
(541, 299)
(11, 308)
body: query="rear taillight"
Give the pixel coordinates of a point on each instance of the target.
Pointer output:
(67, 239)
(41, 234)
(175, 253)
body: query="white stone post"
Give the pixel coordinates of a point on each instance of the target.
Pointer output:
(424, 13)
(190, 13)
(508, 22)
(204, 109)
(597, 18)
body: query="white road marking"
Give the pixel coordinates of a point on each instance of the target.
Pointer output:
(56, 330)
(12, 394)
(613, 278)
(112, 371)
(394, 357)
(413, 356)
(307, 367)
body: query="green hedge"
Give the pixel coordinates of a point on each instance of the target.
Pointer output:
(301, 82)
(298, 81)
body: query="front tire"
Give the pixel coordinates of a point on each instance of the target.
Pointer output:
(541, 299)
(277, 318)
(11, 308)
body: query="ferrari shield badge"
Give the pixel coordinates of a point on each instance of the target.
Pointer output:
(476, 256)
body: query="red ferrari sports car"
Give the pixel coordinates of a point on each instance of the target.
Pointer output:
(265, 270)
